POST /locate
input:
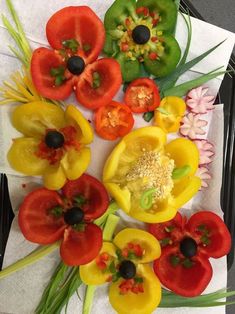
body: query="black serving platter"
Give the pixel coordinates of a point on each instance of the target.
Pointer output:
(227, 96)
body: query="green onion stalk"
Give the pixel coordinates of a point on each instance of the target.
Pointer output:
(17, 89)
(167, 85)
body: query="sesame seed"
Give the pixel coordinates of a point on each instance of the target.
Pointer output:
(156, 169)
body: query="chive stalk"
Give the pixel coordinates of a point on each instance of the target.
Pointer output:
(29, 259)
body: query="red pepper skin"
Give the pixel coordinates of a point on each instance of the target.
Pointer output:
(220, 237)
(80, 23)
(110, 81)
(95, 194)
(43, 60)
(140, 87)
(187, 282)
(73, 32)
(213, 240)
(113, 121)
(41, 218)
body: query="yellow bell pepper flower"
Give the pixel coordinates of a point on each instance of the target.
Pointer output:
(134, 287)
(170, 113)
(53, 145)
(140, 170)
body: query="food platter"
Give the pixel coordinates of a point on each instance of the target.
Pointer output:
(226, 96)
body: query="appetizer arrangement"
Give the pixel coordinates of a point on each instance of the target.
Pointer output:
(148, 176)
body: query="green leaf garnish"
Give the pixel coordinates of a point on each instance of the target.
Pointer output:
(165, 241)
(175, 260)
(163, 111)
(79, 227)
(71, 44)
(56, 211)
(146, 200)
(179, 173)
(169, 228)
(86, 47)
(58, 73)
(182, 89)
(187, 263)
(139, 279)
(147, 116)
(116, 276)
(112, 268)
(29, 259)
(96, 80)
(24, 54)
(80, 200)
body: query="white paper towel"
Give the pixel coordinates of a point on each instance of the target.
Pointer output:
(21, 292)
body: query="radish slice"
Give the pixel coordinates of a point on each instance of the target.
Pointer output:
(204, 174)
(198, 102)
(206, 151)
(192, 126)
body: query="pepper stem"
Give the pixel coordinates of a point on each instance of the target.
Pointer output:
(29, 259)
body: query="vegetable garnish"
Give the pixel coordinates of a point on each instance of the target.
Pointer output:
(71, 64)
(198, 101)
(170, 113)
(142, 160)
(58, 217)
(66, 280)
(134, 288)
(113, 120)
(142, 95)
(187, 254)
(146, 200)
(181, 172)
(54, 143)
(140, 32)
(192, 126)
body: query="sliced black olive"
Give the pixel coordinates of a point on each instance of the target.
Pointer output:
(76, 65)
(141, 34)
(127, 269)
(54, 139)
(73, 216)
(188, 247)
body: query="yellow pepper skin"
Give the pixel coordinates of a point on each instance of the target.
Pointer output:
(34, 120)
(125, 155)
(130, 302)
(175, 109)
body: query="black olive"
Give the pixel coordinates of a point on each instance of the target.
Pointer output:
(76, 65)
(54, 139)
(188, 247)
(127, 269)
(141, 34)
(73, 216)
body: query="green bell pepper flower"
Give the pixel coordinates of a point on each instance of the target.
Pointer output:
(167, 10)
(158, 50)
(168, 61)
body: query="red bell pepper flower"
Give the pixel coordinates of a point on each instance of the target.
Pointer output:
(46, 216)
(184, 265)
(77, 37)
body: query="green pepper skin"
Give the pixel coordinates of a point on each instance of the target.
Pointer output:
(118, 12)
(130, 69)
(166, 8)
(168, 61)
(110, 47)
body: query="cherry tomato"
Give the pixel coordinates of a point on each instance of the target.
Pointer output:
(142, 95)
(113, 121)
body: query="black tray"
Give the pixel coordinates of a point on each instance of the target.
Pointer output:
(227, 96)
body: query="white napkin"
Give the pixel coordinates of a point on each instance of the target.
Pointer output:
(29, 283)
